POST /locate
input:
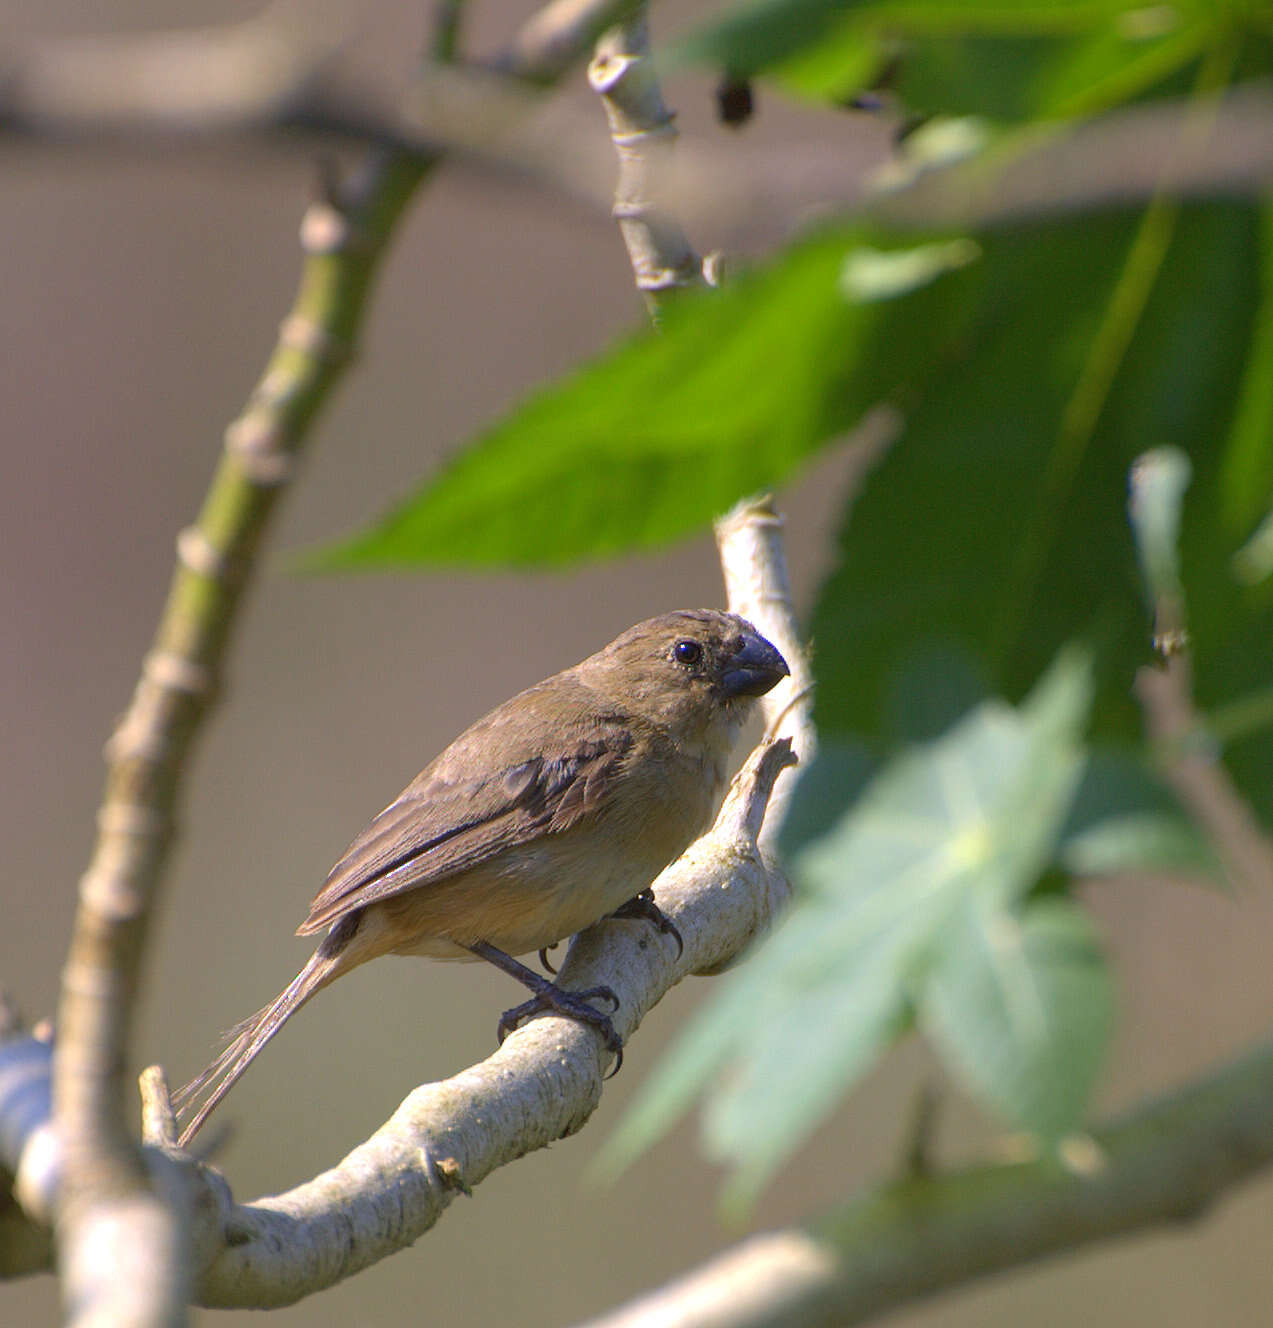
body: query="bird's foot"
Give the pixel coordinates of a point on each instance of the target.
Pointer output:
(548, 996)
(643, 908)
(574, 1005)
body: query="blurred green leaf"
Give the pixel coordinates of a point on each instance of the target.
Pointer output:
(1125, 819)
(826, 787)
(1156, 486)
(1008, 62)
(966, 822)
(1145, 842)
(654, 440)
(1022, 1005)
(931, 690)
(1246, 482)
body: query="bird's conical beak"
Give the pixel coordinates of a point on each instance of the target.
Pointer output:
(754, 669)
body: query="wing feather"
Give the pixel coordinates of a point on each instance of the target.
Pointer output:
(447, 821)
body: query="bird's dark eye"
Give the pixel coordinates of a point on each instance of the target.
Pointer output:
(687, 652)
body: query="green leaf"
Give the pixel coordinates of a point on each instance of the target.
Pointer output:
(1246, 481)
(1125, 819)
(825, 788)
(1157, 487)
(655, 439)
(1008, 62)
(970, 819)
(996, 526)
(1022, 1005)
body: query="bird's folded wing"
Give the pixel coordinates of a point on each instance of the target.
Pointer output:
(449, 820)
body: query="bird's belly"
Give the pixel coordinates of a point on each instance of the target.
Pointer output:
(522, 901)
(537, 892)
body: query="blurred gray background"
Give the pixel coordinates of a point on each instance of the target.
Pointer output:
(141, 294)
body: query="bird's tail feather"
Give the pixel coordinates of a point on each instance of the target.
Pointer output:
(247, 1040)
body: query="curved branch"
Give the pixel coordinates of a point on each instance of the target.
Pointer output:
(545, 1081)
(540, 1086)
(1166, 1162)
(344, 238)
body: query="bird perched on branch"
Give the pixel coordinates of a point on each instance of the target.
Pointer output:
(555, 810)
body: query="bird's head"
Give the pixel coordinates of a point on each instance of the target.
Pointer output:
(688, 670)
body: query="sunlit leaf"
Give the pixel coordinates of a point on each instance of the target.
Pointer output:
(653, 440)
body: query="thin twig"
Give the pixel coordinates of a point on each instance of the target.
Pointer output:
(754, 563)
(343, 237)
(1190, 761)
(643, 131)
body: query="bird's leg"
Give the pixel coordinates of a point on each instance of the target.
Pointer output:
(643, 908)
(549, 996)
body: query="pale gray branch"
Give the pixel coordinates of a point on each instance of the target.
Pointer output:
(540, 1086)
(643, 132)
(754, 562)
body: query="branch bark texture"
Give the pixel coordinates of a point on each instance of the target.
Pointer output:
(541, 1085)
(643, 131)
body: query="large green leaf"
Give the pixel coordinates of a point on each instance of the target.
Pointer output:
(957, 828)
(996, 527)
(653, 440)
(1022, 1005)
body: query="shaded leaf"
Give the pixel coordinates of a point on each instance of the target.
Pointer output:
(1125, 819)
(826, 787)
(1022, 1005)
(996, 525)
(970, 819)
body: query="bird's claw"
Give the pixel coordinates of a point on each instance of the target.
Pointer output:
(641, 907)
(573, 1005)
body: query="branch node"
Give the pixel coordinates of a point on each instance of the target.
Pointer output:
(158, 1122)
(256, 443)
(608, 69)
(112, 895)
(663, 129)
(450, 1176)
(177, 673)
(326, 230)
(1082, 1155)
(199, 555)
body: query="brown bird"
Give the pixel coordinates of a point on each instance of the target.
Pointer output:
(555, 810)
